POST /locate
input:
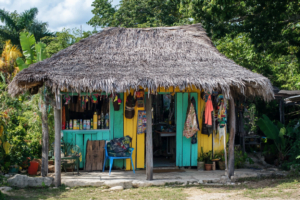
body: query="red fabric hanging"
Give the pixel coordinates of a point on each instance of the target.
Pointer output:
(208, 110)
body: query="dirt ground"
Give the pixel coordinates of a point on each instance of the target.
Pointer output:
(273, 188)
(270, 188)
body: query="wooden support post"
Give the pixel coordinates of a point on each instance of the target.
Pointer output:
(232, 126)
(214, 130)
(45, 134)
(225, 152)
(281, 111)
(149, 147)
(57, 121)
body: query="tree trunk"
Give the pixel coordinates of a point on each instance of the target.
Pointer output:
(149, 150)
(45, 133)
(57, 146)
(232, 127)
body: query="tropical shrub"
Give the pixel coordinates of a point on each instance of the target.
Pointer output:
(241, 158)
(279, 134)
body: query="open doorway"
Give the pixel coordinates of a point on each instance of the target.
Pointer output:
(164, 130)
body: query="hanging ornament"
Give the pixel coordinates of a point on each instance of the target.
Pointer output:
(67, 98)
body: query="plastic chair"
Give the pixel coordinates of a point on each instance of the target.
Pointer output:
(111, 159)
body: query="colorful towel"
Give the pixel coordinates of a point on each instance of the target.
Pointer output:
(119, 147)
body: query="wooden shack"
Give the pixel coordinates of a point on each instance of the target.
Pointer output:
(168, 66)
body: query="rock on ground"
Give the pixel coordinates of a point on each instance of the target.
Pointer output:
(116, 188)
(25, 181)
(5, 189)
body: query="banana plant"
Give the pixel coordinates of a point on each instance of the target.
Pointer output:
(278, 133)
(32, 51)
(35, 52)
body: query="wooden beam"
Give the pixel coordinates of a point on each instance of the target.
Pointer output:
(45, 135)
(232, 126)
(57, 146)
(149, 147)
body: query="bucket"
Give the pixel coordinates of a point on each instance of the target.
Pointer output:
(33, 168)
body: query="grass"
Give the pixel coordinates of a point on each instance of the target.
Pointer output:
(263, 188)
(97, 193)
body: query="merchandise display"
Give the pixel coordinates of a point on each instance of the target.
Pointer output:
(86, 112)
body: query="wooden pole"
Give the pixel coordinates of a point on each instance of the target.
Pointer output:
(45, 133)
(57, 121)
(232, 126)
(149, 150)
(225, 152)
(281, 111)
(213, 125)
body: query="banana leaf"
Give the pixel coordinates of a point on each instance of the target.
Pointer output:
(27, 41)
(268, 128)
(40, 51)
(21, 64)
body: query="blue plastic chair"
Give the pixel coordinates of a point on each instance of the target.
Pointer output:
(111, 159)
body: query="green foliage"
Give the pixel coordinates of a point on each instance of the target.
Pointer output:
(293, 133)
(282, 70)
(286, 139)
(250, 118)
(22, 130)
(201, 156)
(207, 157)
(16, 23)
(32, 51)
(64, 39)
(140, 13)
(241, 158)
(220, 155)
(272, 26)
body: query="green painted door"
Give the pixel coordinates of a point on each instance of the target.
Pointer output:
(186, 152)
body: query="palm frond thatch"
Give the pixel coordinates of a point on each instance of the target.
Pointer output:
(118, 59)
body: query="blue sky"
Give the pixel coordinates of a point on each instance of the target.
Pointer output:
(58, 13)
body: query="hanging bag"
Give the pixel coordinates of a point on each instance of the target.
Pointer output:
(191, 125)
(129, 107)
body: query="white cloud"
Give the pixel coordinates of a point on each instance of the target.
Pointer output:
(58, 13)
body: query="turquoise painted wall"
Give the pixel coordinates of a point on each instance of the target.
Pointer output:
(80, 137)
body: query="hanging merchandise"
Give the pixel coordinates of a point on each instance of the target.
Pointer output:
(194, 137)
(129, 107)
(222, 116)
(117, 102)
(140, 98)
(191, 125)
(208, 110)
(63, 127)
(95, 98)
(142, 122)
(67, 99)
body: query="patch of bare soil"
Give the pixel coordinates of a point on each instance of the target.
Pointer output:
(271, 189)
(212, 194)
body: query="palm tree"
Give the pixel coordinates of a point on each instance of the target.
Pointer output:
(16, 23)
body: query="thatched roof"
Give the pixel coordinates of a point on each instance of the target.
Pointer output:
(117, 59)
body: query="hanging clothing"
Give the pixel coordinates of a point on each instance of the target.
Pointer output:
(191, 125)
(208, 110)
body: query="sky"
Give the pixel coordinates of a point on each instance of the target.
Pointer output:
(58, 13)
